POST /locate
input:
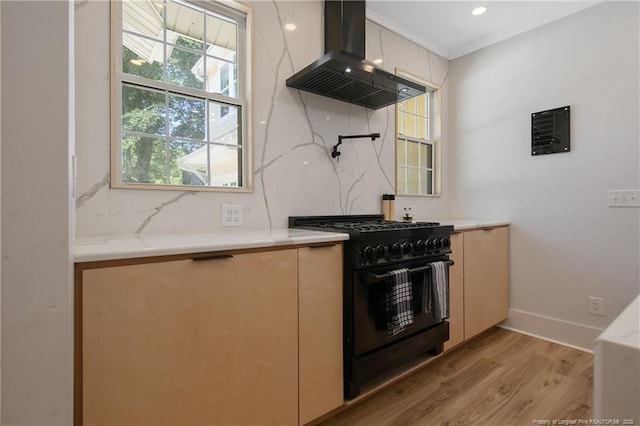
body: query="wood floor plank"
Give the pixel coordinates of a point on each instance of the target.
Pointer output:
(500, 378)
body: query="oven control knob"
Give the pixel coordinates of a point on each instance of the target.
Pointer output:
(446, 242)
(430, 244)
(369, 253)
(420, 246)
(407, 248)
(437, 243)
(380, 251)
(395, 249)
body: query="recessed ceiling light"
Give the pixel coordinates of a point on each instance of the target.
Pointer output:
(348, 69)
(290, 26)
(138, 61)
(377, 61)
(479, 10)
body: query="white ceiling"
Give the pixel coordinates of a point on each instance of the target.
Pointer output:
(448, 28)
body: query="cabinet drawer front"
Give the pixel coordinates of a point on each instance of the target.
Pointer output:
(184, 342)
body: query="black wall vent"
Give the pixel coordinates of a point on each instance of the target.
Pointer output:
(550, 131)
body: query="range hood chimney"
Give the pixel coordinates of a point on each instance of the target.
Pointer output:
(342, 73)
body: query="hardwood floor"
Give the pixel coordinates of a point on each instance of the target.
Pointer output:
(500, 378)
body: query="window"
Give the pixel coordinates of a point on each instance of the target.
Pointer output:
(179, 95)
(417, 143)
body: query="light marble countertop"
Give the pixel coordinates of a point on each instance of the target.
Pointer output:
(132, 246)
(467, 224)
(124, 247)
(625, 329)
(616, 372)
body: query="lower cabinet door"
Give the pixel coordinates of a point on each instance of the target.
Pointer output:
(486, 279)
(320, 289)
(187, 342)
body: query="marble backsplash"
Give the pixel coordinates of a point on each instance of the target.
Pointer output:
(292, 134)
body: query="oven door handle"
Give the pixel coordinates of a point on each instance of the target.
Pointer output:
(370, 278)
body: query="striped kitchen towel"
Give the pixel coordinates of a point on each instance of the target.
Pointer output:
(399, 301)
(440, 290)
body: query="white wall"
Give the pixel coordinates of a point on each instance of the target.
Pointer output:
(36, 267)
(290, 128)
(566, 243)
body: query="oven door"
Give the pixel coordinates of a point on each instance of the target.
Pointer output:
(369, 308)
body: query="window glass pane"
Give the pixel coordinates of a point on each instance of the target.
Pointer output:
(186, 117)
(189, 44)
(220, 76)
(429, 155)
(143, 17)
(412, 153)
(180, 68)
(401, 180)
(186, 21)
(422, 176)
(423, 155)
(409, 125)
(412, 181)
(188, 163)
(225, 170)
(429, 188)
(399, 121)
(144, 160)
(140, 64)
(143, 110)
(401, 157)
(421, 105)
(224, 122)
(410, 106)
(221, 37)
(421, 124)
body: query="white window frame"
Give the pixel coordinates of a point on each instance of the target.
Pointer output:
(432, 139)
(243, 16)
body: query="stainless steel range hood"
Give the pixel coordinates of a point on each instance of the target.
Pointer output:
(342, 73)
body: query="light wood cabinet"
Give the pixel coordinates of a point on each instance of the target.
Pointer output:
(486, 279)
(456, 293)
(478, 282)
(320, 330)
(192, 342)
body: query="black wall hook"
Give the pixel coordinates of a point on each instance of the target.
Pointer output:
(336, 154)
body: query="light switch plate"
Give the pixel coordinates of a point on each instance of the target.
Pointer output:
(624, 198)
(231, 215)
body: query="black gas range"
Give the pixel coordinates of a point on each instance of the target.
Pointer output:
(375, 241)
(376, 249)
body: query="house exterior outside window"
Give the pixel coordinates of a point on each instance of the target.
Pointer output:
(179, 95)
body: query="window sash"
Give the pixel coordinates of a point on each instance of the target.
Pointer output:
(403, 168)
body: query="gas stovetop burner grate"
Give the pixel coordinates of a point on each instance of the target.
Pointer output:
(381, 225)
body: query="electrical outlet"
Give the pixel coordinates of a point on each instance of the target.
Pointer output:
(624, 198)
(596, 306)
(231, 215)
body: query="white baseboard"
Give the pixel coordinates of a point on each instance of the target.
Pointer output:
(577, 336)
